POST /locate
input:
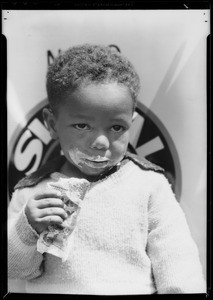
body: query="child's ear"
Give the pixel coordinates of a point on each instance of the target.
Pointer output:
(50, 122)
(134, 115)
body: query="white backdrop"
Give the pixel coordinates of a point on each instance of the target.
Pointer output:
(168, 50)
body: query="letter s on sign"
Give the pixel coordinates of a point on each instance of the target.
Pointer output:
(23, 158)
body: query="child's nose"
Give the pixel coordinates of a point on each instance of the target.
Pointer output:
(101, 142)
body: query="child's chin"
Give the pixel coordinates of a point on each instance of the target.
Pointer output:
(93, 171)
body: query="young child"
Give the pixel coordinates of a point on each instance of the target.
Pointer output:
(129, 235)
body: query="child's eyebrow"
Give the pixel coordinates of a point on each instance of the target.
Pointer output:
(119, 119)
(83, 116)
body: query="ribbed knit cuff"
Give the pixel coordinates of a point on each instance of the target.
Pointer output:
(25, 231)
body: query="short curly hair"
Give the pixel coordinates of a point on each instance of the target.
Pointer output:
(86, 64)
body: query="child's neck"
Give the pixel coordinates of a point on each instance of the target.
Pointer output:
(70, 170)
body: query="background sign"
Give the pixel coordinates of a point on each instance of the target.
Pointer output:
(168, 50)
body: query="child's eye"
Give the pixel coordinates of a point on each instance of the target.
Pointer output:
(118, 128)
(81, 126)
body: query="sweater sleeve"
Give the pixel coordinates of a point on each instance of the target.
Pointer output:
(24, 262)
(172, 251)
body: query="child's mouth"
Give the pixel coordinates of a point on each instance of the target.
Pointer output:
(96, 164)
(93, 161)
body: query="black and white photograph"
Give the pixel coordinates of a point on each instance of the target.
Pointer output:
(107, 150)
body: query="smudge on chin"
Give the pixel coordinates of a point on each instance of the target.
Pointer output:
(75, 156)
(78, 158)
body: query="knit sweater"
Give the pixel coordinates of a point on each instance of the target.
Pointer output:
(131, 237)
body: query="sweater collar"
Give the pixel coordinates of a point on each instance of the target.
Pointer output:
(56, 164)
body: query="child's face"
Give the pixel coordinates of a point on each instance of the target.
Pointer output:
(93, 126)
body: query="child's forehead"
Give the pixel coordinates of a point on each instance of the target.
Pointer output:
(99, 98)
(93, 89)
(100, 94)
(109, 84)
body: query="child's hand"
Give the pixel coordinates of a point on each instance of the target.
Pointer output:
(43, 210)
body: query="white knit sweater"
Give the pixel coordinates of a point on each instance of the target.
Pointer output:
(131, 237)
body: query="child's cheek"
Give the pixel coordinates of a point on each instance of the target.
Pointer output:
(75, 157)
(123, 140)
(119, 147)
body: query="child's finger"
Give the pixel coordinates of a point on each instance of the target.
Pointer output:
(52, 219)
(55, 194)
(50, 202)
(50, 211)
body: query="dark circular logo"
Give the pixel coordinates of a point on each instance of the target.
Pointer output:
(30, 147)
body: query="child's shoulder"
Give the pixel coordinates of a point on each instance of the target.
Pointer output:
(143, 163)
(43, 172)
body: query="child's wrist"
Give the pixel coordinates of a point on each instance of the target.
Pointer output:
(26, 232)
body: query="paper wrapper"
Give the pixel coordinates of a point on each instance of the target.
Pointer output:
(56, 240)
